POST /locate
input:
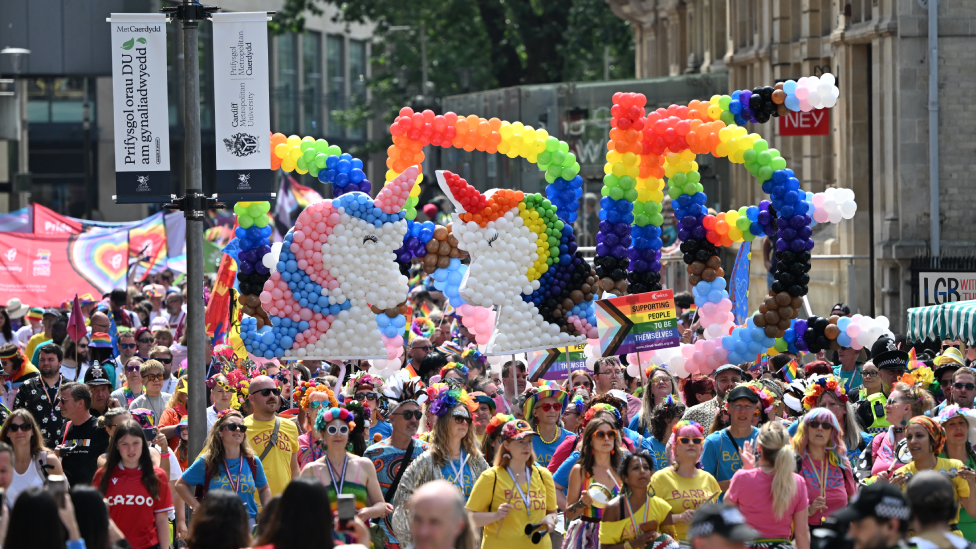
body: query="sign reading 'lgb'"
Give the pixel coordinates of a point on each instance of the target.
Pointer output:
(815, 122)
(939, 288)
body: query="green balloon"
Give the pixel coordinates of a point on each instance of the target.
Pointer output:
(749, 156)
(765, 173)
(760, 145)
(411, 201)
(627, 182)
(320, 161)
(699, 188)
(309, 154)
(568, 173)
(680, 178)
(558, 158)
(543, 166)
(545, 157)
(727, 117)
(261, 221)
(781, 345)
(656, 219)
(570, 159)
(638, 208)
(546, 203)
(694, 177)
(774, 153)
(334, 150)
(605, 191)
(630, 195)
(611, 180)
(753, 167)
(553, 242)
(245, 221)
(306, 145)
(743, 224)
(239, 209)
(748, 236)
(616, 193)
(674, 192)
(653, 207)
(641, 220)
(552, 144)
(764, 158)
(778, 163)
(321, 145)
(550, 178)
(313, 170)
(301, 163)
(560, 225)
(411, 214)
(254, 210)
(563, 147)
(690, 188)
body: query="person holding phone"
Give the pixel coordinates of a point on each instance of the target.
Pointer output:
(227, 463)
(515, 499)
(32, 461)
(138, 494)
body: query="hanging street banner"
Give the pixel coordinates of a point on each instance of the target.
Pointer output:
(634, 323)
(739, 289)
(141, 108)
(551, 363)
(242, 119)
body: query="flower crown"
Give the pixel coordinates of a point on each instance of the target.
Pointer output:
(363, 378)
(305, 391)
(497, 422)
(820, 385)
(921, 378)
(577, 404)
(954, 410)
(766, 399)
(422, 327)
(686, 423)
(598, 408)
(475, 354)
(328, 415)
(442, 399)
(224, 412)
(454, 366)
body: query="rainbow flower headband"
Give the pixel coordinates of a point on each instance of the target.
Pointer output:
(454, 366)
(475, 354)
(820, 385)
(577, 404)
(498, 421)
(950, 412)
(304, 392)
(443, 399)
(766, 399)
(686, 423)
(921, 377)
(363, 378)
(422, 327)
(601, 407)
(328, 415)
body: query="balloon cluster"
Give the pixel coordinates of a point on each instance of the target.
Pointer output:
(810, 93)
(415, 243)
(714, 306)
(479, 321)
(855, 332)
(756, 105)
(442, 251)
(776, 312)
(833, 205)
(742, 225)
(565, 195)
(301, 154)
(794, 240)
(412, 131)
(345, 173)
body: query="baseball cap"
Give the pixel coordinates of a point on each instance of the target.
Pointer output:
(879, 500)
(722, 519)
(52, 311)
(726, 367)
(741, 391)
(841, 307)
(96, 375)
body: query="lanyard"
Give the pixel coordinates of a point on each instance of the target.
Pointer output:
(822, 481)
(528, 482)
(338, 484)
(630, 510)
(240, 474)
(459, 471)
(55, 405)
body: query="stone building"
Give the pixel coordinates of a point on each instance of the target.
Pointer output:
(878, 135)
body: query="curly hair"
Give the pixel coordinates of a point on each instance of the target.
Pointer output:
(664, 414)
(695, 386)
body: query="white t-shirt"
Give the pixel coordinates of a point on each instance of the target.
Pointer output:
(69, 373)
(23, 335)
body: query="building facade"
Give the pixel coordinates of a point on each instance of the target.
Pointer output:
(878, 139)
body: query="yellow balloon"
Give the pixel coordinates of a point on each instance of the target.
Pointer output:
(720, 150)
(629, 159)
(288, 164)
(518, 127)
(608, 168)
(281, 150)
(633, 171)
(656, 196)
(715, 112)
(301, 171)
(735, 234)
(619, 169)
(294, 153)
(293, 141)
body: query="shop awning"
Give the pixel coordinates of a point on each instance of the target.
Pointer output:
(956, 320)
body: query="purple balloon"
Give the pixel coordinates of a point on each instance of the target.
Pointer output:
(602, 237)
(798, 245)
(781, 245)
(809, 245)
(698, 233)
(683, 234)
(602, 250)
(621, 229)
(655, 266)
(619, 251)
(261, 269)
(246, 267)
(638, 265)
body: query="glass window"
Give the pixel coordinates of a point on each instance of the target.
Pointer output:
(312, 78)
(357, 82)
(336, 67)
(287, 89)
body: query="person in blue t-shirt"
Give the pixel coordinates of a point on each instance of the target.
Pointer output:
(230, 465)
(542, 409)
(720, 454)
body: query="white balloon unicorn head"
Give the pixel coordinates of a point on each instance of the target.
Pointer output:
(524, 261)
(334, 264)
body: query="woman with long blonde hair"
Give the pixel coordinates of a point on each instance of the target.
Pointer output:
(821, 458)
(771, 497)
(227, 463)
(660, 383)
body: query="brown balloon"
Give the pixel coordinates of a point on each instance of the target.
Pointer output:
(772, 317)
(430, 262)
(831, 331)
(443, 262)
(779, 97)
(586, 288)
(689, 270)
(403, 308)
(708, 275)
(252, 301)
(443, 248)
(694, 279)
(787, 312)
(620, 286)
(606, 284)
(432, 246)
(455, 253)
(833, 319)
(440, 233)
(452, 240)
(771, 303)
(249, 311)
(376, 310)
(771, 331)
(392, 312)
(782, 110)
(713, 262)
(697, 267)
(796, 303)
(763, 309)
(783, 298)
(759, 319)
(568, 304)
(576, 296)
(784, 323)
(720, 272)
(260, 323)
(588, 297)
(242, 299)
(778, 86)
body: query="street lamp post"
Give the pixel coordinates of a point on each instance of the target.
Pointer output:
(22, 182)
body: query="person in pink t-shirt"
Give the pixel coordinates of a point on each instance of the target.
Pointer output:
(771, 497)
(822, 461)
(904, 402)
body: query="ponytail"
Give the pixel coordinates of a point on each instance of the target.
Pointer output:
(776, 451)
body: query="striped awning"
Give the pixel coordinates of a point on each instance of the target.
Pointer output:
(956, 320)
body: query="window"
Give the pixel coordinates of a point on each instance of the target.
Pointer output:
(336, 70)
(312, 81)
(287, 91)
(357, 82)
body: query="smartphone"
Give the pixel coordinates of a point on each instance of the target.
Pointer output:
(57, 485)
(346, 510)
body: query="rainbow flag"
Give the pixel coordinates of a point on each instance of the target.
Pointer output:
(913, 360)
(761, 362)
(304, 195)
(216, 314)
(425, 307)
(789, 371)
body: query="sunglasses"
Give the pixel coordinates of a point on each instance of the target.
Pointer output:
(605, 435)
(868, 374)
(14, 427)
(690, 440)
(135, 368)
(493, 395)
(268, 392)
(366, 396)
(154, 377)
(127, 345)
(814, 424)
(236, 427)
(416, 414)
(459, 420)
(966, 386)
(550, 406)
(144, 341)
(316, 404)
(424, 347)
(61, 400)
(165, 360)
(337, 430)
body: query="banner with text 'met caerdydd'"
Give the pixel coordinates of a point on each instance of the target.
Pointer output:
(46, 270)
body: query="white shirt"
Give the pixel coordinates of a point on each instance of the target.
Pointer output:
(69, 373)
(23, 336)
(173, 320)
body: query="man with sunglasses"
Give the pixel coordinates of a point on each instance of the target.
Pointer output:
(83, 441)
(274, 440)
(388, 455)
(127, 349)
(720, 454)
(39, 395)
(165, 357)
(419, 348)
(963, 388)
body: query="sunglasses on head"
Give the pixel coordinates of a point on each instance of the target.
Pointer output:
(605, 435)
(337, 430)
(236, 427)
(154, 377)
(127, 345)
(14, 427)
(366, 396)
(690, 440)
(415, 414)
(550, 406)
(966, 386)
(268, 392)
(814, 424)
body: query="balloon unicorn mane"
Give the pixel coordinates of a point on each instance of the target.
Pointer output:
(524, 260)
(335, 265)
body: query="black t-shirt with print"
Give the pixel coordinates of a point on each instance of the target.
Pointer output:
(87, 442)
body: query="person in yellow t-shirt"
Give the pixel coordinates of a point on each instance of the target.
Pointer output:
(516, 499)
(682, 485)
(281, 462)
(636, 518)
(925, 439)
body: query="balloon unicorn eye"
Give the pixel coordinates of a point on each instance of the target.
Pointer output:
(370, 238)
(493, 238)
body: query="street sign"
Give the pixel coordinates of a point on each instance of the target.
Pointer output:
(939, 288)
(640, 322)
(815, 122)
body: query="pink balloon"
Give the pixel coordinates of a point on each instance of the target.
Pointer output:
(482, 339)
(698, 357)
(687, 351)
(709, 309)
(820, 215)
(298, 236)
(707, 369)
(266, 297)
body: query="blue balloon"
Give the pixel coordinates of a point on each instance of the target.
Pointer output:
(843, 339)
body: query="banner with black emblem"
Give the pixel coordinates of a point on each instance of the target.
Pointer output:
(242, 118)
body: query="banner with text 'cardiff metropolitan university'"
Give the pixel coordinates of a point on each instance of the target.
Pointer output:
(141, 108)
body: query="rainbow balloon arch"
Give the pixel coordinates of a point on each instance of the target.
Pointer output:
(333, 288)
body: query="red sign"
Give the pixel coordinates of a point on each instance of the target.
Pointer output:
(49, 222)
(815, 122)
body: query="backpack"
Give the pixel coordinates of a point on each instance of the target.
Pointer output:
(201, 490)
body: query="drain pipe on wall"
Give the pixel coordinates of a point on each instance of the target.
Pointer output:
(934, 231)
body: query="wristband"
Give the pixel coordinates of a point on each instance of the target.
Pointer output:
(164, 455)
(75, 543)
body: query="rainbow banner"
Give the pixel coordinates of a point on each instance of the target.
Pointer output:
(551, 363)
(640, 322)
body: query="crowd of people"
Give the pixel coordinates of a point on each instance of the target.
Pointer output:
(870, 448)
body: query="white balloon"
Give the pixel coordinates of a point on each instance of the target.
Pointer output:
(827, 78)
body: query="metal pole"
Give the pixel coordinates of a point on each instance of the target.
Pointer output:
(934, 228)
(423, 60)
(193, 185)
(23, 156)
